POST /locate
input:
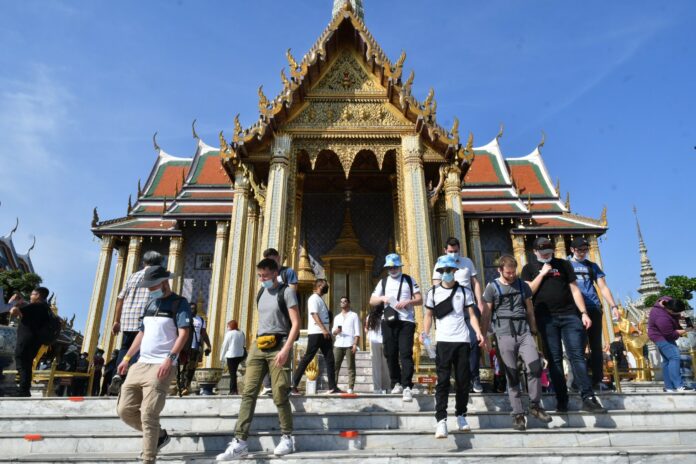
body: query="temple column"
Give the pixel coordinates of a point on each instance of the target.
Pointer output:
(236, 246)
(294, 257)
(133, 259)
(96, 303)
(248, 303)
(475, 249)
(108, 339)
(596, 256)
(453, 205)
(519, 250)
(216, 327)
(258, 250)
(275, 219)
(397, 215)
(560, 251)
(175, 263)
(415, 203)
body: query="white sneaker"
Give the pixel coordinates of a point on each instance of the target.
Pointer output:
(441, 429)
(684, 389)
(462, 424)
(235, 449)
(397, 390)
(350, 391)
(285, 446)
(266, 391)
(408, 396)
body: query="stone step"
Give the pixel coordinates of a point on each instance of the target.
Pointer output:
(377, 420)
(322, 403)
(397, 440)
(596, 455)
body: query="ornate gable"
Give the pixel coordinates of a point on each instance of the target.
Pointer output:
(347, 76)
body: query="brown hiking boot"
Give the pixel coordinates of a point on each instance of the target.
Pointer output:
(538, 412)
(518, 422)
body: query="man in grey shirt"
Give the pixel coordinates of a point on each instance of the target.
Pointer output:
(278, 327)
(509, 300)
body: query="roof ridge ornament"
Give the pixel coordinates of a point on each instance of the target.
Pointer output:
(356, 6)
(193, 129)
(140, 190)
(95, 217)
(130, 205)
(33, 244)
(542, 141)
(154, 142)
(237, 129)
(500, 131)
(15, 228)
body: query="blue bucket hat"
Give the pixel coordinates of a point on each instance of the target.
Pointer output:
(445, 261)
(392, 260)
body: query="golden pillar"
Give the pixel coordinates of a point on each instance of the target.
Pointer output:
(174, 263)
(398, 248)
(560, 251)
(258, 250)
(248, 302)
(596, 256)
(133, 259)
(236, 246)
(519, 250)
(216, 326)
(419, 236)
(96, 303)
(453, 205)
(294, 247)
(275, 219)
(475, 249)
(108, 339)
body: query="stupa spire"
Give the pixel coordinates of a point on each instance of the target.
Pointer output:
(649, 285)
(355, 5)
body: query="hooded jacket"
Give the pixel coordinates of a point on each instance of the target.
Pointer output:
(662, 324)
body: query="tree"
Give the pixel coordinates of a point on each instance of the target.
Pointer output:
(13, 281)
(678, 287)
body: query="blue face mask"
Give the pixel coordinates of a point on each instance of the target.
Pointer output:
(156, 294)
(447, 277)
(453, 254)
(267, 283)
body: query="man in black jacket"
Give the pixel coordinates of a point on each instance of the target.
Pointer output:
(33, 316)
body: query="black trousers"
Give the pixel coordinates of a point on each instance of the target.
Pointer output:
(398, 347)
(232, 366)
(452, 355)
(25, 352)
(594, 339)
(316, 342)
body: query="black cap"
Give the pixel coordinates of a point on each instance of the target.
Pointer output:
(155, 275)
(543, 243)
(579, 242)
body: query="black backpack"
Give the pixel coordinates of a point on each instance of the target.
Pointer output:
(409, 281)
(282, 305)
(48, 333)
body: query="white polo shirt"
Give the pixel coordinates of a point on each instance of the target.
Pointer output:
(453, 327)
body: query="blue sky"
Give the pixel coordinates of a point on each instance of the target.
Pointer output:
(85, 84)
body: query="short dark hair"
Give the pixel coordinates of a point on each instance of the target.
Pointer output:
(267, 263)
(268, 252)
(152, 258)
(43, 292)
(319, 283)
(452, 241)
(346, 297)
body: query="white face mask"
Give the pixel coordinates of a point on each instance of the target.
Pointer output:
(395, 273)
(544, 260)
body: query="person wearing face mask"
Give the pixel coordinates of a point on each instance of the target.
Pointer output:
(346, 329)
(398, 293)
(664, 330)
(562, 319)
(318, 337)
(589, 274)
(164, 330)
(508, 302)
(457, 329)
(467, 276)
(278, 327)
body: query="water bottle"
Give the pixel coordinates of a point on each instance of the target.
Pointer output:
(429, 346)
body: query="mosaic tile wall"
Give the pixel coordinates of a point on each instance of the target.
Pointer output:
(198, 240)
(495, 241)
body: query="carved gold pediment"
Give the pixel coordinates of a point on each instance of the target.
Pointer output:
(347, 115)
(347, 149)
(346, 75)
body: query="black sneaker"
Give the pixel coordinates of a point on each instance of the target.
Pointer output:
(518, 423)
(561, 406)
(592, 405)
(163, 440)
(335, 391)
(476, 385)
(538, 412)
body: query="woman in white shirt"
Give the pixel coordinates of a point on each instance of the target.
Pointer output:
(233, 348)
(380, 370)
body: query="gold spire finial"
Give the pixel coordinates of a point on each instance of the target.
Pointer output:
(237, 129)
(558, 186)
(193, 130)
(603, 217)
(154, 142)
(500, 131)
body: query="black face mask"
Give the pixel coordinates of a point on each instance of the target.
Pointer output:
(325, 290)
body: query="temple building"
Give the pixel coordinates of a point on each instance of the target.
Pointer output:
(342, 167)
(10, 259)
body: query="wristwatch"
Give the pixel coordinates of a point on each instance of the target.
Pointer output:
(173, 356)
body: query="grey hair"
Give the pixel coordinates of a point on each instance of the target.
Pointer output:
(152, 258)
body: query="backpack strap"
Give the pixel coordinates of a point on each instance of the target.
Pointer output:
(384, 286)
(282, 305)
(500, 293)
(284, 274)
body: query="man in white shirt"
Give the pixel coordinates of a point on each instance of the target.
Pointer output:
(398, 293)
(163, 333)
(318, 337)
(467, 276)
(346, 329)
(200, 336)
(453, 307)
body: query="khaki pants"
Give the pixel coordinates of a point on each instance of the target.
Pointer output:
(339, 353)
(258, 364)
(141, 401)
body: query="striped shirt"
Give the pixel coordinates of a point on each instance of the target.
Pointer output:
(134, 301)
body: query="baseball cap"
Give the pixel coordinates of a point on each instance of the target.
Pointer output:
(579, 242)
(543, 244)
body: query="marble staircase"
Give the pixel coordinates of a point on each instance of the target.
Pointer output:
(640, 427)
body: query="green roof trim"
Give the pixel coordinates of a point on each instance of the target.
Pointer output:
(160, 173)
(496, 168)
(199, 166)
(540, 177)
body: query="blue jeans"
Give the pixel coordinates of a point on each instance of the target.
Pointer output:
(569, 330)
(670, 364)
